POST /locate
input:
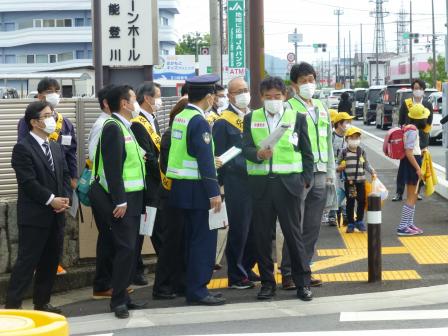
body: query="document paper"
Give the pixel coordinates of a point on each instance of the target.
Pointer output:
(274, 137)
(218, 220)
(147, 221)
(230, 154)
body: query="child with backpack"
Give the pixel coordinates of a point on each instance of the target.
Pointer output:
(410, 173)
(342, 122)
(353, 164)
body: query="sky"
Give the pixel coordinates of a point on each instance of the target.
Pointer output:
(315, 19)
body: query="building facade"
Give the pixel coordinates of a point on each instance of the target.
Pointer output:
(57, 37)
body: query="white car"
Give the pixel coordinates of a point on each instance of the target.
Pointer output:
(436, 131)
(333, 99)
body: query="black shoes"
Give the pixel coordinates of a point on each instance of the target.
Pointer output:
(397, 198)
(48, 308)
(242, 284)
(163, 295)
(266, 293)
(209, 300)
(315, 282)
(122, 311)
(288, 283)
(140, 280)
(304, 293)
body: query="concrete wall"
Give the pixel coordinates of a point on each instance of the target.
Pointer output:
(9, 237)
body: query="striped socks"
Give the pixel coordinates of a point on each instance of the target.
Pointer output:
(407, 217)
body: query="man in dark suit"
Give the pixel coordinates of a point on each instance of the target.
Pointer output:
(43, 195)
(195, 188)
(278, 176)
(227, 133)
(147, 133)
(117, 191)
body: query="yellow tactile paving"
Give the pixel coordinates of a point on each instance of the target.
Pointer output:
(355, 240)
(346, 252)
(339, 277)
(427, 249)
(336, 261)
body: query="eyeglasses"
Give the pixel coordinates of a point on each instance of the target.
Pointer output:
(240, 91)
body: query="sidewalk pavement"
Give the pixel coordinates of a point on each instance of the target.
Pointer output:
(341, 261)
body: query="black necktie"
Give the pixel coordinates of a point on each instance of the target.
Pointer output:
(46, 146)
(156, 124)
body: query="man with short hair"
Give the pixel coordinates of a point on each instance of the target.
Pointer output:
(227, 133)
(147, 133)
(43, 196)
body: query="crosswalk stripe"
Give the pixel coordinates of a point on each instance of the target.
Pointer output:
(393, 315)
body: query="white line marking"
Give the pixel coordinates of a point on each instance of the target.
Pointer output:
(385, 332)
(397, 315)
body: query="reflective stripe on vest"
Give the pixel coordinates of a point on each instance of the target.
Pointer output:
(181, 165)
(133, 167)
(285, 159)
(318, 133)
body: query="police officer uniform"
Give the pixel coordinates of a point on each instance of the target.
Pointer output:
(191, 167)
(240, 249)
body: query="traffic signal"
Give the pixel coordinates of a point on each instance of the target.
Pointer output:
(415, 36)
(320, 45)
(324, 47)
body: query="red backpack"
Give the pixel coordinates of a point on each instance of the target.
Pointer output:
(393, 145)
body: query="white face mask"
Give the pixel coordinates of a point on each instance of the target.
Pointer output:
(307, 90)
(242, 100)
(346, 126)
(352, 143)
(158, 104)
(273, 106)
(50, 125)
(222, 103)
(136, 110)
(418, 93)
(53, 99)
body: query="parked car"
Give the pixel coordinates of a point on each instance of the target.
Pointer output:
(333, 99)
(428, 92)
(435, 98)
(372, 96)
(400, 97)
(386, 103)
(8, 93)
(32, 94)
(316, 94)
(358, 102)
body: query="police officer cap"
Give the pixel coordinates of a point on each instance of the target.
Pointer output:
(202, 81)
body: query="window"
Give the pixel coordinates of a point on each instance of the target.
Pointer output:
(79, 22)
(67, 56)
(164, 21)
(79, 54)
(60, 23)
(10, 59)
(48, 23)
(89, 22)
(41, 58)
(89, 54)
(52, 58)
(26, 24)
(30, 59)
(37, 23)
(68, 23)
(9, 26)
(165, 52)
(1, 59)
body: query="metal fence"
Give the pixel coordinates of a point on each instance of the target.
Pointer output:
(81, 112)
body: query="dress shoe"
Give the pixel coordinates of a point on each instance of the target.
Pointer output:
(266, 293)
(99, 295)
(48, 308)
(287, 283)
(140, 280)
(9, 306)
(242, 284)
(397, 198)
(121, 311)
(209, 300)
(419, 197)
(136, 306)
(163, 295)
(304, 293)
(216, 294)
(315, 282)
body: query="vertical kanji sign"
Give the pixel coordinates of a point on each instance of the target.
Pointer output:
(129, 32)
(236, 30)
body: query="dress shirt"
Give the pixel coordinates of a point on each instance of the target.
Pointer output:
(241, 114)
(150, 117)
(273, 120)
(95, 133)
(41, 141)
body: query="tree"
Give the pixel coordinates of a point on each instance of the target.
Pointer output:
(187, 45)
(361, 83)
(441, 74)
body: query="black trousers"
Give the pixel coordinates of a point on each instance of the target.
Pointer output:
(360, 200)
(170, 269)
(124, 231)
(105, 252)
(277, 201)
(39, 251)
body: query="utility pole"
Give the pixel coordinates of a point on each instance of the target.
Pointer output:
(97, 51)
(434, 60)
(329, 69)
(256, 18)
(196, 59)
(215, 36)
(398, 37)
(295, 45)
(350, 57)
(410, 42)
(344, 64)
(377, 62)
(362, 58)
(338, 12)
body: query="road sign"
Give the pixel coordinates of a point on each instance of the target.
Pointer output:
(205, 51)
(295, 38)
(236, 23)
(291, 57)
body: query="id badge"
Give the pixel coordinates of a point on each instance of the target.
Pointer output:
(322, 133)
(294, 139)
(66, 140)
